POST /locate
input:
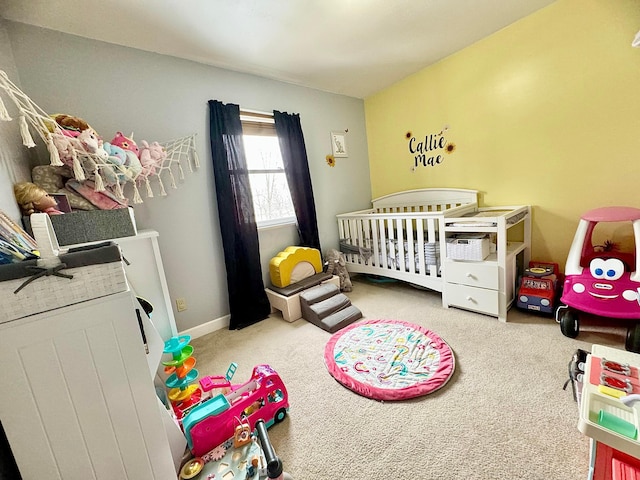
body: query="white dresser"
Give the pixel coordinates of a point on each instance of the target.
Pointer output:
(145, 274)
(488, 286)
(79, 401)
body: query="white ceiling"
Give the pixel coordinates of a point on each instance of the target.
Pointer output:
(350, 47)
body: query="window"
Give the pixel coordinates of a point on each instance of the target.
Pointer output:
(269, 188)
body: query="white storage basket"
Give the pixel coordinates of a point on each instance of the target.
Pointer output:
(474, 247)
(33, 288)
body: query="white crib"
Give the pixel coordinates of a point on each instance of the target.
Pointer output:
(400, 227)
(404, 237)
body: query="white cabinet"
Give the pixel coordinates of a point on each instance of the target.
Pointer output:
(145, 274)
(488, 286)
(78, 400)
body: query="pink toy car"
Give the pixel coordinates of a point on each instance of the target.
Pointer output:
(263, 397)
(601, 280)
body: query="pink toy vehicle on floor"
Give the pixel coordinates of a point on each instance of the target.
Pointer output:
(600, 279)
(215, 420)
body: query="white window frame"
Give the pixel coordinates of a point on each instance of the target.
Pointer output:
(259, 123)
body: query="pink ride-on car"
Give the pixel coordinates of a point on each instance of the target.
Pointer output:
(600, 279)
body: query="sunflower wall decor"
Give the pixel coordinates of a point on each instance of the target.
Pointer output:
(331, 161)
(429, 151)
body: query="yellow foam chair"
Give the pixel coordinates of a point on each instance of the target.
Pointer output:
(282, 266)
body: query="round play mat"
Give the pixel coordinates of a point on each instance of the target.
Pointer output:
(389, 359)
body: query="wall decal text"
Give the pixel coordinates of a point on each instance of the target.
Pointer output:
(428, 152)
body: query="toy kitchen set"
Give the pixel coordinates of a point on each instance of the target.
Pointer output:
(610, 413)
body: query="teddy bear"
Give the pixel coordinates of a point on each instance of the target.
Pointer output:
(336, 265)
(71, 126)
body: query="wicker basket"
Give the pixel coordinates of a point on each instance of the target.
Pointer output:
(58, 278)
(468, 247)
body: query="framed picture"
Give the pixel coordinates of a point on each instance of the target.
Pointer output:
(339, 144)
(62, 201)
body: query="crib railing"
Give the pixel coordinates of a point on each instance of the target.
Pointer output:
(388, 241)
(403, 244)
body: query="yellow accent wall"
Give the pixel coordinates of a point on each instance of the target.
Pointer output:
(544, 112)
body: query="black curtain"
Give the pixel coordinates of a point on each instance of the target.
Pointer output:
(296, 167)
(248, 303)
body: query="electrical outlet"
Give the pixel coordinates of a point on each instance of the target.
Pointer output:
(181, 304)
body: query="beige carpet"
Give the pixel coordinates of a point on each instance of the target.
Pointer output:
(503, 415)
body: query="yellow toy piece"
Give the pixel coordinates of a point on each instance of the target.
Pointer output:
(177, 395)
(281, 266)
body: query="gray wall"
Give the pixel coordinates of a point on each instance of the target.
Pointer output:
(162, 98)
(14, 158)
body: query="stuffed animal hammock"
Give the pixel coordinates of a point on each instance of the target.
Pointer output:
(118, 166)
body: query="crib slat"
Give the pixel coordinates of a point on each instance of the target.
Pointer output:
(400, 244)
(346, 235)
(433, 238)
(359, 239)
(352, 238)
(367, 231)
(343, 236)
(383, 244)
(375, 258)
(411, 258)
(420, 246)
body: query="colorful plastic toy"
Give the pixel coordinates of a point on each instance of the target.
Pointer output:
(214, 421)
(538, 287)
(274, 464)
(600, 279)
(213, 385)
(183, 394)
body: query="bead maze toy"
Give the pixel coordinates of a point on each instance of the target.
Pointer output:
(183, 394)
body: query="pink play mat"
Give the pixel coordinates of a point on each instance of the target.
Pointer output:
(389, 359)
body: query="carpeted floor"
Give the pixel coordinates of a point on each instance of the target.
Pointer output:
(503, 414)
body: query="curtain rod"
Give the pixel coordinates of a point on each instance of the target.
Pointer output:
(255, 113)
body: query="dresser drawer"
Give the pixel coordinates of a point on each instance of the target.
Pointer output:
(473, 298)
(474, 274)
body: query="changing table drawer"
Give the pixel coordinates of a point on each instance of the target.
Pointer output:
(473, 298)
(474, 274)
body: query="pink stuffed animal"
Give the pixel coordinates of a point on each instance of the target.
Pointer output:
(151, 157)
(64, 147)
(90, 142)
(125, 143)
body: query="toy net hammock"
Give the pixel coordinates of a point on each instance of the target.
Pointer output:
(87, 165)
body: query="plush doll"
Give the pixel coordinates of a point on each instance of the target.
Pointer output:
(71, 126)
(336, 265)
(64, 147)
(116, 155)
(151, 157)
(133, 165)
(90, 142)
(114, 171)
(32, 199)
(125, 143)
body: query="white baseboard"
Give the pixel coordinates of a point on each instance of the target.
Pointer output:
(209, 327)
